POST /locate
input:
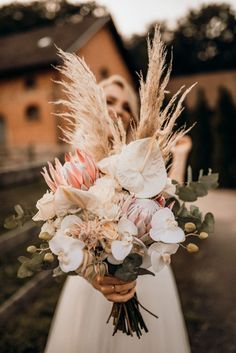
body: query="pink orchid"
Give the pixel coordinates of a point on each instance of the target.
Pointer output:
(79, 171)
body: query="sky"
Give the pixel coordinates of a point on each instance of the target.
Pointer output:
(133, 16)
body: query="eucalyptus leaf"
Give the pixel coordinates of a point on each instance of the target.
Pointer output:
(11, 222)
(23, 259)
(144, 271)
(19, 211)
(187, 194)
(24, 271)
(208, 223)
(210, 180)
(199, 188)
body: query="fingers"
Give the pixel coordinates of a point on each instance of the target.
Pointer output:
(124, 287)
(114, 289)
(120, 298)
(108, 280)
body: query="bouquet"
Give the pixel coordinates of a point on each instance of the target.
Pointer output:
(110, 208)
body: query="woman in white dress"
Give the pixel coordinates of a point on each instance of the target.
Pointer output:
(79, 324)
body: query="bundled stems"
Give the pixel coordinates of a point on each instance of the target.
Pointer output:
(128, 318)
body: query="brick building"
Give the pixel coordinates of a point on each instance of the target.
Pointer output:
(27, 75)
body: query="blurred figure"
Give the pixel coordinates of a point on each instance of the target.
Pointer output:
(79, 325)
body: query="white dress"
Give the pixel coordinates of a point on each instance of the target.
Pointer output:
(79, 324)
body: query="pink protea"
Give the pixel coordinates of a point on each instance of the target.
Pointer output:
(140, 212)
(79, 171)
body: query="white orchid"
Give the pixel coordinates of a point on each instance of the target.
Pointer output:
(67, 223)
(139, 168)
(165, 228)
(69, 251)
(160, 254)
(121, 248)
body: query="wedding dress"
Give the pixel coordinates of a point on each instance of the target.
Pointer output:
(79, 324)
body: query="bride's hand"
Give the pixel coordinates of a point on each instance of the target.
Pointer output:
(114, 289)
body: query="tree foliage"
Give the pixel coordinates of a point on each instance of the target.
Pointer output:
(17, 17)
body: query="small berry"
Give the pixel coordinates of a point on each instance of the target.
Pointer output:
(189, 227)
(192, 248)
(48, 257)
(31, 249)
(203, 235)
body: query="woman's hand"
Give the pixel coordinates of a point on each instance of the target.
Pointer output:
(114, 289)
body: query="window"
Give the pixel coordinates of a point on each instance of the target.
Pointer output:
(2, 130)
(32, 113)
(30, 82)
(104, 72)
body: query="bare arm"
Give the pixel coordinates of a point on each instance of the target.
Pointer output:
(180, 155)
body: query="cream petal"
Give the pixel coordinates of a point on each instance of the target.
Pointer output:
(157, 261)
(126, 226)
(139, 172)
(68, 221)
(160, 217)
(172, 236)
(75, 259)
(155, 234)
(108, 165)
(120, 249)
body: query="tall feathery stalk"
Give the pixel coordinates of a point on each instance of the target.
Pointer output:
(89, 126)
(155, 120)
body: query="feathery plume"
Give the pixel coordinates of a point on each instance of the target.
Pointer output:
(89, 126)
(155, 120)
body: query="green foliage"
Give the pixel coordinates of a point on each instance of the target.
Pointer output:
(18, 219)
(129, 269)
(195, 189)
(16, 17)
(30, 265)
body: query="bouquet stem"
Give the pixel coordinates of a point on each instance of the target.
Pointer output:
(128, 318)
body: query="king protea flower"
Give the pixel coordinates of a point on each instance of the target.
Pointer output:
(79, 171)
(140, 212)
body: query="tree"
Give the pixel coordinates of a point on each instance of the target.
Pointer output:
(18, 17)
(205, 40)
(201, 134)
(225, 141)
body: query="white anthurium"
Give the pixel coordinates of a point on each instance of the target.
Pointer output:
(69, 252)
(165, 228)
(160, 254)
(170, 188)
(108, 165)
(70, 200)
(141, 169)
(121, 248)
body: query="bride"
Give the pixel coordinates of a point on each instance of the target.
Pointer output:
(79, 324)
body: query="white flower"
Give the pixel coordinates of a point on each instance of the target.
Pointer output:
(67, 223)
(45, 206)
(48, 227)
(160, 254)
(69, 251)
(170, 188)
(121, 248)
(139, 168)
(105, 198)
(165, 228)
